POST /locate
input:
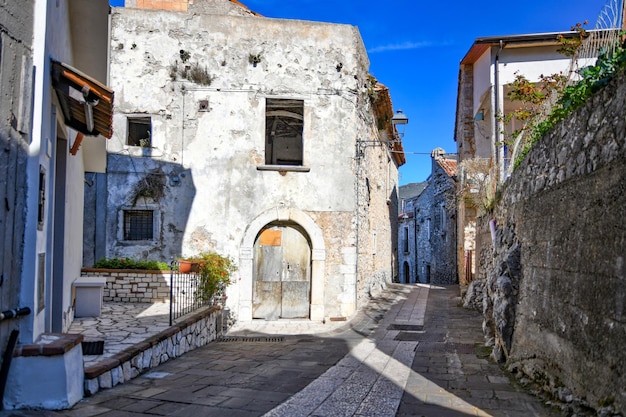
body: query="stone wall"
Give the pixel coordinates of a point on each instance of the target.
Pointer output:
(133, 286)
(554, 272)
(16, 36)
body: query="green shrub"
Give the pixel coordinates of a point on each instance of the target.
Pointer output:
(215, 273)
(130, 263)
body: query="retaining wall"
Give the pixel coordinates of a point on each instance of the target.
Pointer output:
(195, 331)
(133, 286)
(554, 276)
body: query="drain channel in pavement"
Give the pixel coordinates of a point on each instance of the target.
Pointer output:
(406, 327)
(251, 339)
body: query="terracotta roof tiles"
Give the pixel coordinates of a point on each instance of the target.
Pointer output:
(448, 165)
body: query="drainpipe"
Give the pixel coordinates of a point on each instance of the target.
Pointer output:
(358, 222)
(495, 106)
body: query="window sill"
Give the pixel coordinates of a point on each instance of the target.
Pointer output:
(291, 168)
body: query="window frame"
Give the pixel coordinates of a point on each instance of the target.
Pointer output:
(122, 236)
(136, 121)
(274, 159)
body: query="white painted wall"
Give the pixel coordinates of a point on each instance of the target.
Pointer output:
(48, 382)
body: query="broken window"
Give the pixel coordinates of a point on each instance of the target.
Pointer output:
(284, 121)
(138, 224)
(139, 132)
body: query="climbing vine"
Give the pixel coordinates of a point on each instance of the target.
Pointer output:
(543, 104)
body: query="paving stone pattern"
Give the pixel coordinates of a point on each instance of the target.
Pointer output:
(363, 367)
(451, 377)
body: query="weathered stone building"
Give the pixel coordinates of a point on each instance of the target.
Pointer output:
(265, 140)
(407, 232)
(53, 120)
(427, 226)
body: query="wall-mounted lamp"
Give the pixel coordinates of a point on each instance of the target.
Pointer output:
(399, 122)
(480, 115)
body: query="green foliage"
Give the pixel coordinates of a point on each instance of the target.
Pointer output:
(130, 263)
(572, 97)
(215, 273)
(570, 45)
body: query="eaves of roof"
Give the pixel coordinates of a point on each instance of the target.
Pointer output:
(384, 111)
(86, 103)
(534, 39)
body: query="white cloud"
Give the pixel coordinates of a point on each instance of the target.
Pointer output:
(400, 46)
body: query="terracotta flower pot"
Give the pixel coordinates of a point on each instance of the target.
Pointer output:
(186, 267)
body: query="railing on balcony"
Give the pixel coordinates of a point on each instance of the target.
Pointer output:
(184, 295)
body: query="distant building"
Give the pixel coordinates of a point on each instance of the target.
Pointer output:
(485, 152)
(265, 140)
(407, 232)
(427, 225)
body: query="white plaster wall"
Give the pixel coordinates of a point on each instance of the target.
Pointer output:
(483, 79)
(48, 382)
(533, 63)
(52, 39)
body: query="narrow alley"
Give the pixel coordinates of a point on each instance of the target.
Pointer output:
(412, 351)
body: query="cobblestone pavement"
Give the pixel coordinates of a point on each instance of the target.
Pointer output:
(412, 351)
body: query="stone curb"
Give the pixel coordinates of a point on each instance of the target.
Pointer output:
(193, 332)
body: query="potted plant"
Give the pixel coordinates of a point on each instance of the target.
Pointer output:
(215, 274)
(185, 266)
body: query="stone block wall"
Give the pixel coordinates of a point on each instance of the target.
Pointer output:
(133, 286)
(554, 273)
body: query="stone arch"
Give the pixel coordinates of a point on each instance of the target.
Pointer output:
(318, 258)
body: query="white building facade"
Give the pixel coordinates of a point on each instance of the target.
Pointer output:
(264, 140)
(50, 141)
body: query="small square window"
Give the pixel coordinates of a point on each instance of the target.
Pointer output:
(139, 132)
(138, 224)
(284, 122)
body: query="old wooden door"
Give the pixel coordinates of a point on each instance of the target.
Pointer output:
(282, 279)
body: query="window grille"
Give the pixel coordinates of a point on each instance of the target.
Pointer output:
(138, 225)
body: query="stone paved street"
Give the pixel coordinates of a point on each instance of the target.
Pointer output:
(411, 352)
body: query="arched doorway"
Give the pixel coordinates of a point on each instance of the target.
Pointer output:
(406, 273)
(282, 273)
(284, 216)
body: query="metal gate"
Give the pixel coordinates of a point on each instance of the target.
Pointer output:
(282, 280)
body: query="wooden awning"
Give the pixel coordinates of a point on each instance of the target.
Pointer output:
(87, 104)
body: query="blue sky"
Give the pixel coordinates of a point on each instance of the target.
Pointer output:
(415, 48)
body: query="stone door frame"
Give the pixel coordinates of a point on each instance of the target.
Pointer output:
(246, 259)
